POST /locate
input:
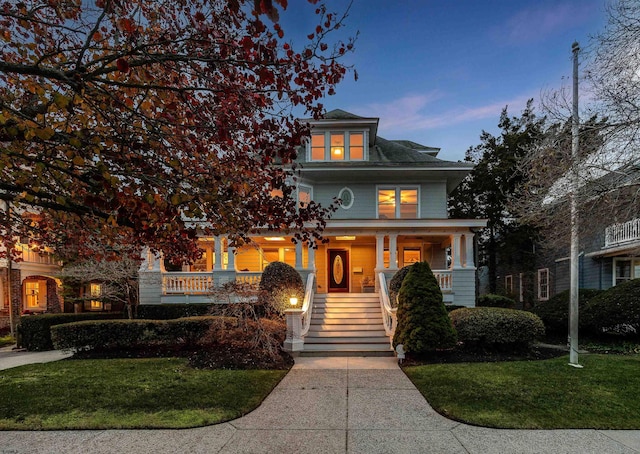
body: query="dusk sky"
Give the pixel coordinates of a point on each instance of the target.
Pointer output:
(438, 72)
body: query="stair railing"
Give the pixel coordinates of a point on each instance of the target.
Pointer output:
(389, 319)
(307, 304)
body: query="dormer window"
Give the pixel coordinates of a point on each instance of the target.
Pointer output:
(337, 146)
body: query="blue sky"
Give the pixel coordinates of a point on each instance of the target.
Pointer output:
(438, 72)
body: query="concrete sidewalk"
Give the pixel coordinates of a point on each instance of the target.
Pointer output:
(13, 358)
(331, 405)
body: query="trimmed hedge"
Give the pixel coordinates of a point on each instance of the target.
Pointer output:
(555, 312)
(107, 335)
(279, 282)
(171, 311)
(423, 323)
(492, 300)
(395, 283)
(614, 311)
(34, 331)
(495, 328)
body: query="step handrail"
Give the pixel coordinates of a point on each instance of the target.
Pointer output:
(389, 318)
(307, 304)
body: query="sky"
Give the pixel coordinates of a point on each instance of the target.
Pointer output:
(439, 72)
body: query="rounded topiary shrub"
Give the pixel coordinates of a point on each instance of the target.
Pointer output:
(279, 283)
(555, 311)
(492, 300)
(614, 311)
(495, 328)
(423, 322)
(395, 283)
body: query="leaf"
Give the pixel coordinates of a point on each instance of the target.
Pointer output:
(61, 100)
(78, 161)
(45, 134)
(122, 65)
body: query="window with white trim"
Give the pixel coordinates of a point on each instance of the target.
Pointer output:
(304, 195)
(337, 146)
(508, 284)
(543, 284)
(346, 198)
(398, 202)
(625, 269)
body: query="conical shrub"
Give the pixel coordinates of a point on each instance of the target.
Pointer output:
(423, 322)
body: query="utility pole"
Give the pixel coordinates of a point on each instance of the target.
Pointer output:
(575, 239)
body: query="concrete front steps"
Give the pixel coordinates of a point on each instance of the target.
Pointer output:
(346, 324)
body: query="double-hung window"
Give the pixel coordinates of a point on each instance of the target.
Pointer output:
(398, 203)
(337, 146)
(543, 284)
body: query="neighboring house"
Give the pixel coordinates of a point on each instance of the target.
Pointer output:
(30, 282)
(393, 213)
(609, 252)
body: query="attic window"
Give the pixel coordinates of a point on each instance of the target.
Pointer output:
(337, 146)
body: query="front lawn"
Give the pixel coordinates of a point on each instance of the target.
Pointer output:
(127, 393)
(7, 340)
(545, 394)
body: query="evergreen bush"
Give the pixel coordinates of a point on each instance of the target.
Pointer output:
(395, 283)
(555, 311)
(493, 300)
(614, 311)
(495, 328)
(423, 322)
(278, 284)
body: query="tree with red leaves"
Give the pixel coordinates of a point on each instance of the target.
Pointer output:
(124, 121)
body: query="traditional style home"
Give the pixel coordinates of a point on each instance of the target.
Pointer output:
(393, 212)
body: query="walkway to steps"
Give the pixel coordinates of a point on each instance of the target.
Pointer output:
(347, 324)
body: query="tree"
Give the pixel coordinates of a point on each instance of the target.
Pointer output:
(423, 322)
(495, 178)
(147, 121)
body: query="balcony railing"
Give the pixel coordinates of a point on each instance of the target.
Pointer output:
(625, 232)
(30, 256)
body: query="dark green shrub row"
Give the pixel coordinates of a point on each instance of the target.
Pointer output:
(106, 335)
(614, 311)
(494, 328)
(555, 312)
(492, 300)
(170, 311)
(34, 331)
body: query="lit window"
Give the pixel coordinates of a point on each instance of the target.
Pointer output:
(96, 305)
(32, 293)
(277, 193)
(317, 147)
(410, 256)
(95, 289)
(543, 284)
(388, 208)
(337, 146)
(304, 196)
(356, 146)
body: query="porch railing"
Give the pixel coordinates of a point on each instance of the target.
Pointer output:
(445, 279)
(622, 233)
(190, 283)
(248, 277)
(389, 319)
(307, 304)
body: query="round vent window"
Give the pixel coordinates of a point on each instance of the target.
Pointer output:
(346, 197)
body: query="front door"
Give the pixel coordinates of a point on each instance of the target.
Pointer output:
(338, 270)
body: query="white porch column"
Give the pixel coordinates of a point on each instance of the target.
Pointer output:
(311, 258)
(456, 246)
(299, 256)
(217, 245)
(393, 252)
(231, 260)
(379, 253)
(468, 242)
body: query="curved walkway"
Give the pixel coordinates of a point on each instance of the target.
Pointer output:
(331, 405)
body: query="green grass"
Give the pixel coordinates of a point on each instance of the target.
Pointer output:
(7, 340)
(127, 393)
(536, 394)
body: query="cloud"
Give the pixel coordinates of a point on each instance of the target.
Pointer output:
(536, 23)
(410, 113)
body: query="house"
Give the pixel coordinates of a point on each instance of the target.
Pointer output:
(29, 282)
(393, 212)
(609, 251)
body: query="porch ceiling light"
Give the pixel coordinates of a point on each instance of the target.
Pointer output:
(274, 238)
(346, 238)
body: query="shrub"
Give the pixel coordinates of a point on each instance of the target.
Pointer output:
(492, 300)
(423, 323)
(495, 328)
(109, 335)
(34, 331)
(555, 311)
(395, 283)
(280, 282)
(170, 311)
(614, 311)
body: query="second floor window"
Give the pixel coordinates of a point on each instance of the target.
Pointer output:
(337, 146)
(397, 203)
(543, 284)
